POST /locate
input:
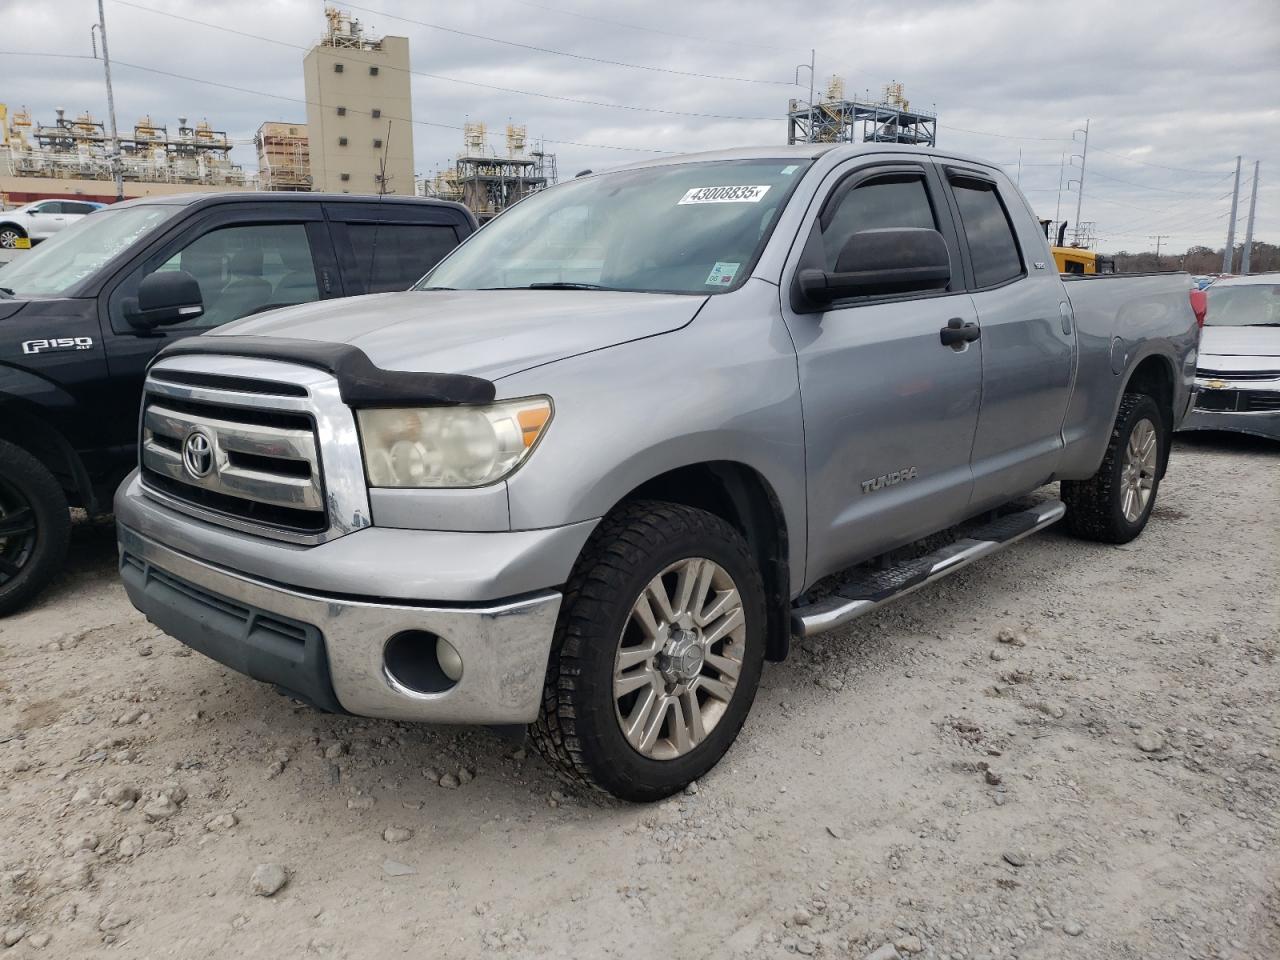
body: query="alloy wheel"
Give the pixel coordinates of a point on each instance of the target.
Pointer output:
(17, 532)
(1138, 470)
(679, 658)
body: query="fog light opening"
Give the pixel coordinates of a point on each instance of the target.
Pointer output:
(422, 662)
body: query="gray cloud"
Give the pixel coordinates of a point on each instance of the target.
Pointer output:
(1164, 84)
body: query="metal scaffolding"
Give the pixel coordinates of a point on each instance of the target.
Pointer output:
(284, 156)
(488, 183)
(80, 149)
(838, 119)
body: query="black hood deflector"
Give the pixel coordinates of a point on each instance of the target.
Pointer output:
(360, 383)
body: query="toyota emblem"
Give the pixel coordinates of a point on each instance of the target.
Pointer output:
(197, 454)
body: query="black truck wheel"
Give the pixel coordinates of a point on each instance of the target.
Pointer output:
(1114, 504)
(658, 652)
(35, 527)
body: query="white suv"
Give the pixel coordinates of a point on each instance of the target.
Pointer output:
(40, 220)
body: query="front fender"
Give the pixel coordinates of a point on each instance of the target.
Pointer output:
(723, 388)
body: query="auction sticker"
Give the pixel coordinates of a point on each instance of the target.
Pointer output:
(738, 194)
(722, 274)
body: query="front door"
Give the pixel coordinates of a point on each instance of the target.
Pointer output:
(889, 409)
(246, 257)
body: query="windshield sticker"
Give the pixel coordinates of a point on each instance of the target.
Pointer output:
(787, 171)
(742, 194)
(722, 274)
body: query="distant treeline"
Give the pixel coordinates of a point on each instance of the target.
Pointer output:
(1199, 260)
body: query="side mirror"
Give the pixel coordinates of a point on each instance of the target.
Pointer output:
(880, 263)
(171, 296)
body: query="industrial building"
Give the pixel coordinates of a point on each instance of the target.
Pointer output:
(837, 119)
(488, 182)
(72, 158)
(284, 156)
(358, 110)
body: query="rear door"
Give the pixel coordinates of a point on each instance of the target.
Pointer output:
(387, 247)
(889, 409)
(1028, 340)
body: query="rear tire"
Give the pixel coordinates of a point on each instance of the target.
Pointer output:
(1113, 505)
(35, 527)
(646, 690)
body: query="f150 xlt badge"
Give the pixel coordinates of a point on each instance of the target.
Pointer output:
(889, 479)
(59, 343)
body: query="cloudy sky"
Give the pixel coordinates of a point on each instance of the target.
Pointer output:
(1173, 89)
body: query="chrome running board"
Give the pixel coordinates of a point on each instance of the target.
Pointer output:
(873, 589)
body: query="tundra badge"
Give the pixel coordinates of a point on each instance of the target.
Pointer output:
(889, 479)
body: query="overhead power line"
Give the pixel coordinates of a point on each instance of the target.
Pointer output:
(1151, 163)
(1144, 186)
(280, 96)
(469, 83)
(636, 26)
(565, 53)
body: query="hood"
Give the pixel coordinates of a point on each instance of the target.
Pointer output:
(485, 333)
(1240, 341)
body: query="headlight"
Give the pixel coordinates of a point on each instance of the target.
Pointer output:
(450, 446)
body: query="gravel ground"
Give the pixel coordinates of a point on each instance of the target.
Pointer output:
(1066, 750)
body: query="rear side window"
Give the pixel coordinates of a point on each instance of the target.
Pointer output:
(894, 201)
(394, 256)
(986, 226)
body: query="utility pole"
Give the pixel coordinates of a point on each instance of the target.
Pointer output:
(1248, 229)
(1158, 238)
(1084, 155)
(808, 137)
(1229, 254)
(117, 174)
(1019, 168)
(1057, 210)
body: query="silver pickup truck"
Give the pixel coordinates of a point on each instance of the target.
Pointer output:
(628, 440)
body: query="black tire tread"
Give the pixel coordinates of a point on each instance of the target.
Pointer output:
(1092, 513)
(618, 543)
(54, 525)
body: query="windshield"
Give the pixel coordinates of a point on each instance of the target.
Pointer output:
(1239, 305)
(686, 228)
(54, 267)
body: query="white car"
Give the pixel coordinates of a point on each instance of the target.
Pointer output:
(40, 220)
(1238, 373)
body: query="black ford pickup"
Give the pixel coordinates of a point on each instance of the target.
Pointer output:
(83, 314)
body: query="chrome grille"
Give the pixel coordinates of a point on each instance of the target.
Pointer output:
(245, 443)
(253, 467)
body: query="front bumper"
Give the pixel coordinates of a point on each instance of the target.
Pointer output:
(329, 650)
(1240, 406)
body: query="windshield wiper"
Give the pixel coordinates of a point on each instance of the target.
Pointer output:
(562, 285)
(437, 288)
(7, 292)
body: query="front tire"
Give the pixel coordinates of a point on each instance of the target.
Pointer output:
(1113, 505)
(35, 527)
(658, 652)
(10, 234)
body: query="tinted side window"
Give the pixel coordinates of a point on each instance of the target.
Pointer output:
(893, 201)
(394, 256)
(990, 235)
(73, 206)
(240, 269)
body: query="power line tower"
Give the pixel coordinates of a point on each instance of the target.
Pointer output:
(1229, 252)
(1248, 230)
(1083, 155)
